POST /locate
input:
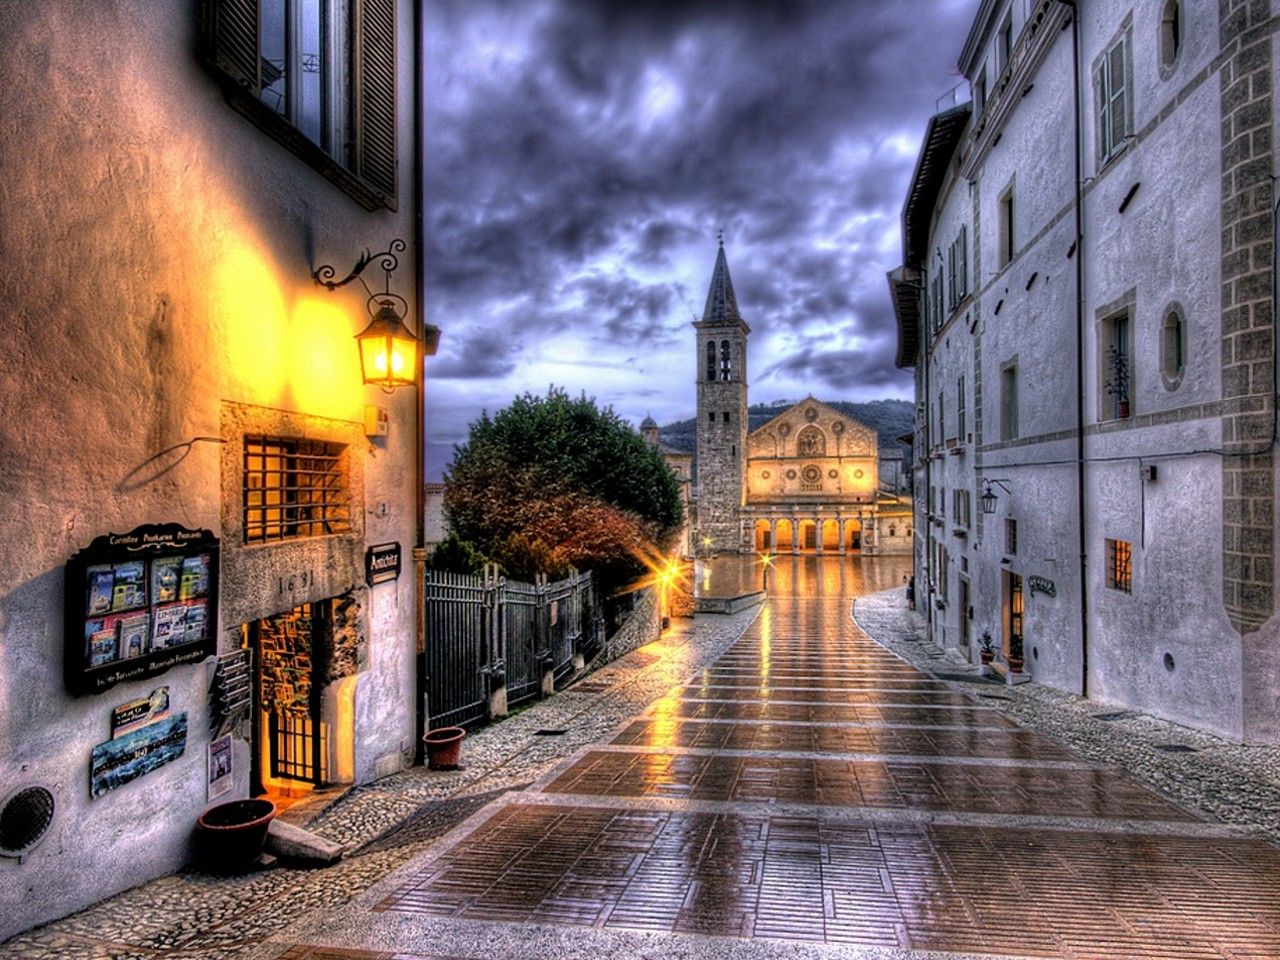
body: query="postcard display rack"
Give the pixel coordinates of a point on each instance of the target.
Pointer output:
(139, 603)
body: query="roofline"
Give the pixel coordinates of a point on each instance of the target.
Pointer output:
(978, 31)
(826, 406)
(941, 137)
(904, 292)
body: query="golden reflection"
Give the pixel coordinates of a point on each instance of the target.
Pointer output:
(247, 299)
(322, 370)
(766, 644)
(664, 722)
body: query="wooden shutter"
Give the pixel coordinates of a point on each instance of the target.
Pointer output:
(374, 94)
(231, 40)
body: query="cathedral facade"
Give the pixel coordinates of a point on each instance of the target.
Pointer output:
(807, 481)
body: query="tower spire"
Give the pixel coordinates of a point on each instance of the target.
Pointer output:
(722, 304)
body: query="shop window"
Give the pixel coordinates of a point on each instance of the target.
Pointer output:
(320, 77)
(294, 488)
(1120, 565)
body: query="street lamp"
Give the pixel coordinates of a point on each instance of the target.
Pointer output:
(388, 348)
(988, 498)
(766, 561)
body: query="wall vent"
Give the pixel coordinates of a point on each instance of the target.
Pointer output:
(25, 818)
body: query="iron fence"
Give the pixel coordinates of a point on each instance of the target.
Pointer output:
(484, 631)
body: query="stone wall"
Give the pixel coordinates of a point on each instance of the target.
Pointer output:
(642, 626)
(1248, 337)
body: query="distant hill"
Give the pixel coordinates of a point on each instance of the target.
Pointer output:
(891, 419)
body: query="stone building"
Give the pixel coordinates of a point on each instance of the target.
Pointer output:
(1087, 299)
(806, 481)
(193, 464)
(681, 464)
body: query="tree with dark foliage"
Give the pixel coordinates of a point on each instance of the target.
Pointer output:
(554, 482)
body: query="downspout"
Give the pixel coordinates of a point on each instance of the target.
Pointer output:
(1079, 243)
(922, 596)
(419, 387)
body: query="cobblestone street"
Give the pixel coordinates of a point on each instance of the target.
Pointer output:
(801, 790)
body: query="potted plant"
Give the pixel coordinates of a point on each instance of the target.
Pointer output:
(444, 747)
(231, 834)
(986, 648)
(1118, 384)
(1014, 658)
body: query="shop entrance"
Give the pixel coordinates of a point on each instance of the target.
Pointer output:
(289, 747)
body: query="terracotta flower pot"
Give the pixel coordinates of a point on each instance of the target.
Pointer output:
(986, 656)
(1015, 664)
(232, 834)
(444, 747)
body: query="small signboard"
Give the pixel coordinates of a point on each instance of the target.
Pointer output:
(139, 603)
(117, 762)
(382, 563)
(1043, 585)
(138, 713)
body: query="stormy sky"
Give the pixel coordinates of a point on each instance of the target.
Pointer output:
(582, 154)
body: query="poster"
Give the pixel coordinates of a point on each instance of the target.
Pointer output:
(220, 774)
(119, 761)
(139, 603)
(138, 713)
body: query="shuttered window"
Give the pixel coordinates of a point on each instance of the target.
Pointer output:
(1111, 90)
(320, 77)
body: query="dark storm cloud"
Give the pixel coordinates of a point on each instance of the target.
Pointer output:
(581, 154)
(480, 355)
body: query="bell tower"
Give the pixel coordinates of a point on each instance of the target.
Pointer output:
(721, 345)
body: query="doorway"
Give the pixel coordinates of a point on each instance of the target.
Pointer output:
(289, 749)
(1012, 604)
(965, 614)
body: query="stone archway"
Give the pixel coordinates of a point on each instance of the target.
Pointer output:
(807, 535)
(786, 535)
(830, 536)
(764, 537)
(853, 535)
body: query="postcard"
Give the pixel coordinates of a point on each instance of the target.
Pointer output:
(101, 584)
(165, 573)
(195, 577)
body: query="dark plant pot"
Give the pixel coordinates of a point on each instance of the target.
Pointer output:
(231, 835)
(444, 747)
(1015, 664)
(1122, 409)
(986, 656)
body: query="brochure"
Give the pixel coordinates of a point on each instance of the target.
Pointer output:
(165, 572)
(195, 577)
(133, 635)
(130, 589)
(101, 582)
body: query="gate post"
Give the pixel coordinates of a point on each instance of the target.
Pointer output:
(542, 637)
(495, 640)
(579, 656)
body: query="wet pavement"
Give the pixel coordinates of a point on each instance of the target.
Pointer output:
(811, 794)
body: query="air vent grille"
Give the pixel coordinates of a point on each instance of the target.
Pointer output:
(25, 818)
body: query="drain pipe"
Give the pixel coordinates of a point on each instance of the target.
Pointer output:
(1079, 244)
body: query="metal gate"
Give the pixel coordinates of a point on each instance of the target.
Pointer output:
(483, 627)
(457, 647)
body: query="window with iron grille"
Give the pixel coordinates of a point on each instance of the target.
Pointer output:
(1011, 536)
(1120, 565)
(294, 488)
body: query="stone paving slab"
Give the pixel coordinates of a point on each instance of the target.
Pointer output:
(1025, 790)
(966, 714)
(935, 887)
(917, 741)
(1224, 781)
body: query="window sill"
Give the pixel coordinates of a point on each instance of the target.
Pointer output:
(288, 136)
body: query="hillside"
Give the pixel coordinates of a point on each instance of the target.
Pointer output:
(891, 419)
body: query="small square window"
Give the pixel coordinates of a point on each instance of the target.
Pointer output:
(294, 488)
(1120, 565)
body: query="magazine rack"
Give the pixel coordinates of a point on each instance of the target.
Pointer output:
(139, 603)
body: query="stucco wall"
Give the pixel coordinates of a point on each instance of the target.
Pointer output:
(157, 252)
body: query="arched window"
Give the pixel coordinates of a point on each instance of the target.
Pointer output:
(724, 360)
(1173, 347)
(811, 442)
(1170, 33)
(711, 359)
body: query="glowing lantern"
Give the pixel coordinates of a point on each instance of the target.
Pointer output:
(388, 349)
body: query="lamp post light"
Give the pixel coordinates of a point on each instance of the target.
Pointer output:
(766, 561)
(988, 498)
(388, 348)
